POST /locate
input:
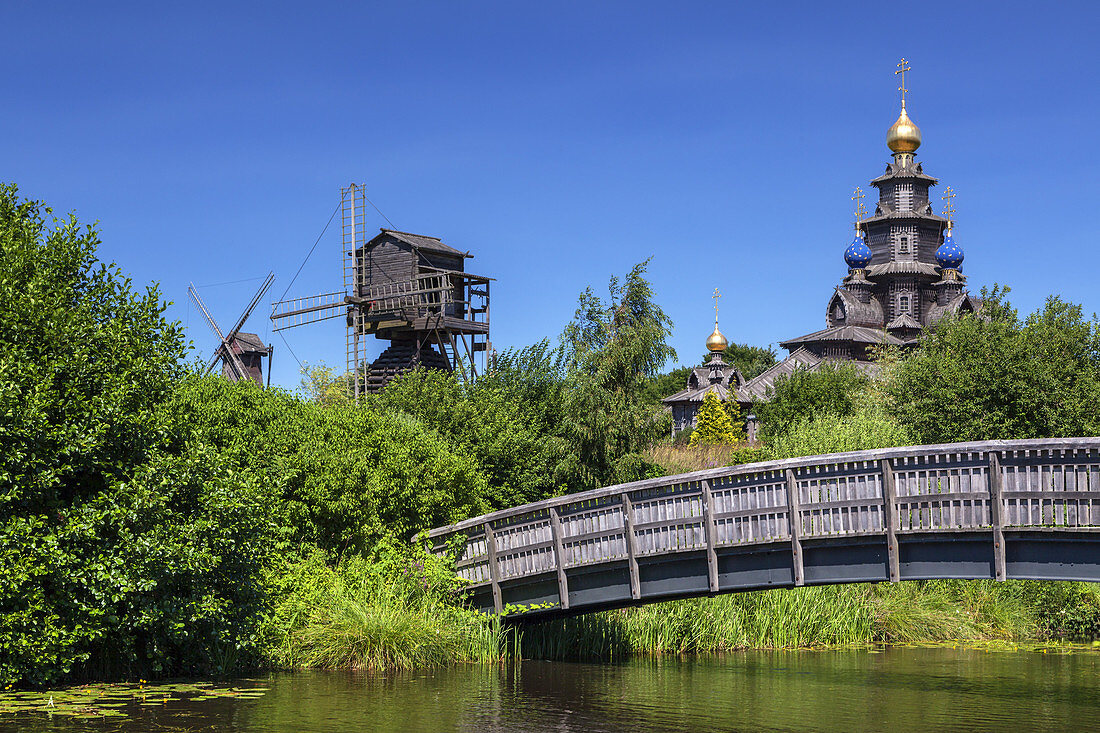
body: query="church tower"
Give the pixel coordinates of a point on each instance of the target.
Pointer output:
(904, 268)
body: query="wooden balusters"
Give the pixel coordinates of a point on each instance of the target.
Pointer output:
(494, 569)
(559, 557)
(794, 518)
(890, 505)
(708, 524)
(631, 546)
(996, 516)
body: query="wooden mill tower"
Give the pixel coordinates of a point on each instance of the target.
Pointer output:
(409, 289)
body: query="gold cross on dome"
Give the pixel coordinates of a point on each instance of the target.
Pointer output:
(717, 295)
(861, 212)
(948, 204)
(902, 68)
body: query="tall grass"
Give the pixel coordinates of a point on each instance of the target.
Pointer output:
(365, 616)
(684, 459)
(918, 611)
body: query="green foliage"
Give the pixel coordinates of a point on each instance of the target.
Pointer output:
(713, 425)
(870, 426)
(995, 377)
(508, 420)
(321, 384)
(345, 475)
(668, 384)
(125, 547)
(835, 615)
(395, 608)
(834, 389)
(751, 361)
(610, 351)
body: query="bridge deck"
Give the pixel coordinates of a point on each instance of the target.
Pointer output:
(993, 509)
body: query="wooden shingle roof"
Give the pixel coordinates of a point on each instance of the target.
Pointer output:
(856, 334)
(418, 241)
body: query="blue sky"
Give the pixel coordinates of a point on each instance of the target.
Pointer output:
(559, 142)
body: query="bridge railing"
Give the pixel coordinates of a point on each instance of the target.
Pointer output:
(889, 493)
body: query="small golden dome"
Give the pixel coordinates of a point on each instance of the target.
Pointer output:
(717, 343)
(904, 135)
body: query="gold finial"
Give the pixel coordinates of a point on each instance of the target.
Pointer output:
(861, 213)
(902, 68)
(716, 342)
(949, 206)
(904, 135)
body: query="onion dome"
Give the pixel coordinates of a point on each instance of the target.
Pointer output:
(904, 135)
(949, 255)
(716, 342)
(858, 254)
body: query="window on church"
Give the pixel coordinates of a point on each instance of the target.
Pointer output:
(903, 246)
(903, 304)
(838, 312)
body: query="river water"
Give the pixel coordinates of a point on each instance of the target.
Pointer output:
(849, 690)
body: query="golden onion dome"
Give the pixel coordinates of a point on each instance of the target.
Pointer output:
(904, 135)
(716, 342)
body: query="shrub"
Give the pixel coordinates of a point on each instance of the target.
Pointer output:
(713, 425)
(125, 547)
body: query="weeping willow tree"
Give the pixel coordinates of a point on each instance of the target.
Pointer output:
(609, 353)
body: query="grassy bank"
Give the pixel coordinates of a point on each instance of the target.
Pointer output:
(369, 617)
(912, 612)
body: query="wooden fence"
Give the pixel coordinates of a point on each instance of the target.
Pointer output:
(882, 499)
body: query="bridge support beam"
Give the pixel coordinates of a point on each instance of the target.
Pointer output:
(794, 517)
(996, 515)
(708, 524)
(890, 518)
(559, 557)
(494, 568)
(631, 547)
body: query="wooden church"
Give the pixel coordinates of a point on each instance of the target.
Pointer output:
(904, 268)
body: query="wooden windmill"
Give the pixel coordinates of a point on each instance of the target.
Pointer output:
(408, 289)
(241, 354)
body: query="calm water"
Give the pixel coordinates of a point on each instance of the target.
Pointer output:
(895, 690)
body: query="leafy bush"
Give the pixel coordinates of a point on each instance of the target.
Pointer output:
(508, 420)
(834, 388)
(125, 547)
(870, 426)
(346, 476)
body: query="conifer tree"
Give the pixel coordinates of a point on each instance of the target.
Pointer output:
(713, 425)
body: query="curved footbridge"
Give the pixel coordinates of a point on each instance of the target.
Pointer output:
(994, 509)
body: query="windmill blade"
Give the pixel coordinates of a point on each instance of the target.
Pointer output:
(248, 311)
(194, 295)
(313, 308)
(224, 348)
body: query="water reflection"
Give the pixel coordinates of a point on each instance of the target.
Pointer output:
(856, 690)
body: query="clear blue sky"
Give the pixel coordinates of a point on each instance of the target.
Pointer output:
(560, 143)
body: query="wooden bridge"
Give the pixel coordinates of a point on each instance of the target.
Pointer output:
(994, 509)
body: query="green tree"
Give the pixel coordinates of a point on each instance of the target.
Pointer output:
(994, 376)
(751, 361)
(835, 389)
(667, 384)
(713, 425)
(508, 420)
(321, 384)
(610, 352)
(125, 547)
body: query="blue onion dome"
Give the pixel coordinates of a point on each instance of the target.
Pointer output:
(858, 254)
(949, 255)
